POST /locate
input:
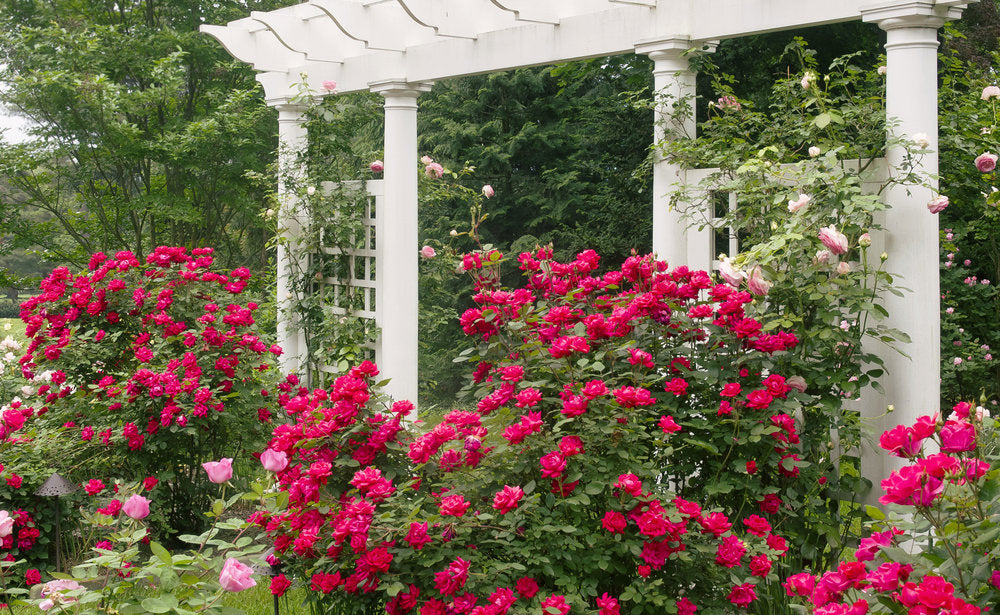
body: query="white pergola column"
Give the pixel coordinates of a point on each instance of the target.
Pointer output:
(673, 117)
(291, 145)
(913, 383)
(397, 241)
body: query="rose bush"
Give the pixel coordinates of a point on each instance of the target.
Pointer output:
(630, 446)
(938, 551)
(140, 369)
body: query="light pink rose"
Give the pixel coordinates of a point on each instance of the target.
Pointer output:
(219, 471)
(797, 382)
(814, 151)
(922, 140)
(986, 162)
(730, 273)
(330, 86)
(136, 507)
(802, 201)
(274, 461)
(834, 240)
(488, 191)
(843, 268)
(823, 256)
(938, 204)
(757, 284)
(236, 576)
(426, 160)
(427, 252)
(377, 166)
(434, 170)
(990, 91)
(6, 524)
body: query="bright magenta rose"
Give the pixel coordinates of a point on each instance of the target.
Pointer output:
(507, 499)
(958, 436)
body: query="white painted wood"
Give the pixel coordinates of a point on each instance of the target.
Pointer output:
(291, 220)
(912, 384)
(397, 240)
(673, 118)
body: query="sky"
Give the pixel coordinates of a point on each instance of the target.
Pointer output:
(13, 126)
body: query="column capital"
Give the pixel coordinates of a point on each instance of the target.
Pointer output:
(673, 47)
(400, 87)
(912, 13)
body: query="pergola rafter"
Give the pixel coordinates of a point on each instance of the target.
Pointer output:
(398, 48)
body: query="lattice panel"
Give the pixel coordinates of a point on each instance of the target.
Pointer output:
(348, 274)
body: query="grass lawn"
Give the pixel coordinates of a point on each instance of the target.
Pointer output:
(254, 601)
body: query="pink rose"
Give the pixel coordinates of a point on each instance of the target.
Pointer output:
(434, 170)
(136, 507)
(427, 252)
(938, 204)
(834, 240)
(6, 524)
(488, 191)
(990, 91)
(507, 499)
(219, 471)
(986, 162)
(843, 268)
(730, 273)
(274, 461)
(958, 436)
(453, 505)
(330, 86)
(757, 284)
(377, 166)
(236, 576)
(802, 201)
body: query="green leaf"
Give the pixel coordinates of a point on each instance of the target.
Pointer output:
(822, 120)
(160, 552)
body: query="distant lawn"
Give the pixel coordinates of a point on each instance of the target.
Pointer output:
(13, 327)
(254, 601)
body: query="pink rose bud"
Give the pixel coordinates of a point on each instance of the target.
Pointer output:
(330, 86)
(730, 273)
(938, 204)
(426, 160)
(274, 461)
(6, 524)
(802, 201)
(488, 191)
(986, 162)
(865, 240)
(843, 268)
(834, 240)
(757, 284)
(427, 252)
(377, 166)
(814, 151)
(219, 471)
(473, 443)
(797, 382)
(236, 576)
(990, 91)
(136, 507)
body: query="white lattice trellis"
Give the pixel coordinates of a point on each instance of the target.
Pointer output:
(348, 284)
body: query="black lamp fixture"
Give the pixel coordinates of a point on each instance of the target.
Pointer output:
(56, 486)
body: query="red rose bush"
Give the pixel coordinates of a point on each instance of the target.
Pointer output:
(140, 368)
(946, 557)
(627, 446)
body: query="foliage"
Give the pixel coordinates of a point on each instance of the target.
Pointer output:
(970, 262)
(126, 572)
(144, 369)
(938, 549)
(143, 130)
(642, 397)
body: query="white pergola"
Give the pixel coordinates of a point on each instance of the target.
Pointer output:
(399, 48)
